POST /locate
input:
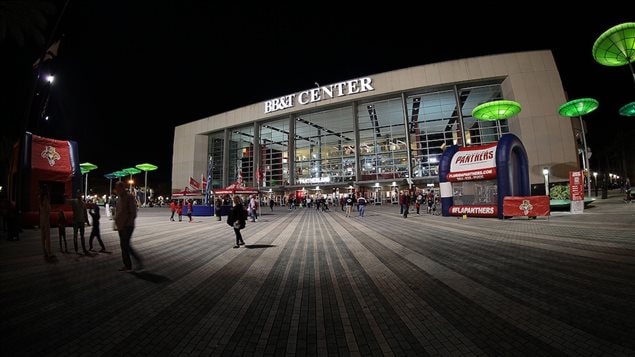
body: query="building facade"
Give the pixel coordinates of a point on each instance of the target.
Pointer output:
(382, 133)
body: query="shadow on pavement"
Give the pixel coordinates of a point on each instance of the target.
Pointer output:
(151, 277)
(255, 246)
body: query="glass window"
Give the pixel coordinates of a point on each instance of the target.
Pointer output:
(383, 153)
(215, 149)
(274, 138)
(324, 145)
(433, 124)
(241, 154)
(480, 132)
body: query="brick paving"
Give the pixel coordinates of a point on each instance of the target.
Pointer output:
(310, 283)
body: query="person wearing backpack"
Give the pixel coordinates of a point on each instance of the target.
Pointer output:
(237, 219)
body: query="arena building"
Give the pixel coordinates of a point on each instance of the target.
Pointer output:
(382, 133)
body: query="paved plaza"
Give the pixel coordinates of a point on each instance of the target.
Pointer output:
(311, 283)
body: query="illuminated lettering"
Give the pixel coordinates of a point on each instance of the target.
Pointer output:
(279, 103)
(335, 90)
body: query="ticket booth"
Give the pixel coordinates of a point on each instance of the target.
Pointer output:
(474, 180)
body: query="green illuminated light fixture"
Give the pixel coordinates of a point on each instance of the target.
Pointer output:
(85, 168)
(110, 176)
(616, 46)
(496, 110)
(628, 110)
(146, 167)
(131, 171)
(578, 108)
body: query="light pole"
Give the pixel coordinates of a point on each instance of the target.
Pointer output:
(85, 168)
(146, 167)
(578, 108)
(131, 171)
(545, 173)
(595, 179)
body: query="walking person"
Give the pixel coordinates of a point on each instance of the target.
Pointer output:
(79, 220)
(349, 204)
(237, 219)
(271, 203)
(405, 204)
(361, 205)
(179, 210)
(189, 210)
(253, 208)
(45, 222)
(218, 208)
(627, 189)
(173, 210)
(95, 233)
(61, 231)
(125, 221)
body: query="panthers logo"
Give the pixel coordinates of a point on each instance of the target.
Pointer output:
(50, 154)
(526, 207)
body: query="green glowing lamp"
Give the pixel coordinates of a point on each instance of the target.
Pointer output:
(85, 168)
(146, 167)
(628, 110)
(496, 110)
(616, 46)
(578, 107)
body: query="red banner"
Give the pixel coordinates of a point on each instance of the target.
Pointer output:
(51, 156)
(576, 185)
(194, 184)
(529, 206)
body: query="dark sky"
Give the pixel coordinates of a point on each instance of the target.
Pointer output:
(128, 72)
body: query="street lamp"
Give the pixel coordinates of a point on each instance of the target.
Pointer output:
(110, 176)
(131, 171)
(496, 110)
(146, 167)
(85, 168)
(578, 108)
(616, 46)
(595, 179)
(545, 173)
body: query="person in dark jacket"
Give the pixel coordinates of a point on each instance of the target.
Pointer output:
(237, 219)
(95, 233)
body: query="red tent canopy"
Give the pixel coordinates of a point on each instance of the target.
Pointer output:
(186, 193)
(236, 188)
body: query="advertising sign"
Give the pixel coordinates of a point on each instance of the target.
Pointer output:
(576, 191)
(473, 163)
(528, 206)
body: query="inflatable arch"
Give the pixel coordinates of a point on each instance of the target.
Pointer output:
(502, 167)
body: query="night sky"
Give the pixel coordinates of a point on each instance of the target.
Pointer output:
(128, 72)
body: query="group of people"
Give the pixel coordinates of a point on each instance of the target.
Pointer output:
(125, 215)
(79, 221)
(176, 207)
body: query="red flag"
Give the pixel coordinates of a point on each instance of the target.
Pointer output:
(259, 175)
(204, 180)
(194, 184)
